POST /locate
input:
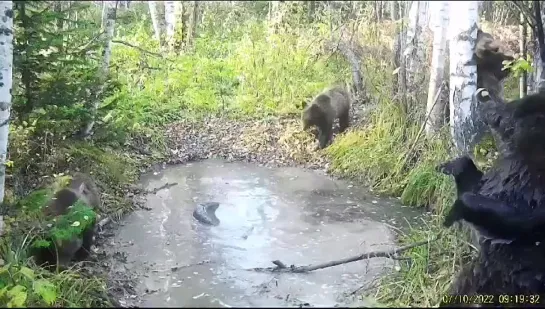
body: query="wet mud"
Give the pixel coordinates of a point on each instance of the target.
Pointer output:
(290, 214)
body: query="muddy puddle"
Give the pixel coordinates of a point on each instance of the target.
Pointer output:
(293, 215)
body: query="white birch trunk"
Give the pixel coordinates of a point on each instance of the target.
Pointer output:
(6, 82)
(192, 31)
(154, 13)
(537, 63)
(463, 73)
(415, 51)
(523, 80)
(435, 106)
(170, 21)
(104, 68)
(103, 15)
(275, 15)
(393, 10)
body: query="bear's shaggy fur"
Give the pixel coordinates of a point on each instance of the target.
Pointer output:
(324, 109)
(509, 201)
(466, 174)
(82, 187)
(489, 55)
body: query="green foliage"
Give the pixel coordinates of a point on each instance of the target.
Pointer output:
(236, 65)
(36, 200)
(55, 61)
(261, 73)
(428, 272)
(78, 219)
(380, 157)
(425, 186)
(24, 285)
(518, 66)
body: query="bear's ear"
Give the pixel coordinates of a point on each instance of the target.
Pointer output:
(304, 104)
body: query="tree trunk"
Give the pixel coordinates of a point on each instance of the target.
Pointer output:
(414, 48)
(435, 107)
(311, 9)
(540, 37)
(275, 16)
(6, 76)
(27, 78)
(191, 34)
(170, 22)
(394, 10)
(155, 20)
(103, 15)
(463, 73)
(523, 84)
(57, 8)
(104, 68)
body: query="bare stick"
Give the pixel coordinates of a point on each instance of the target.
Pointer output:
(165, 186)
(281, 267)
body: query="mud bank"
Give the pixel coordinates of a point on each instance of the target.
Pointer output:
(290, 214)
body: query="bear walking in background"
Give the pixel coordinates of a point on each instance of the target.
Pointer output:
(324, 109)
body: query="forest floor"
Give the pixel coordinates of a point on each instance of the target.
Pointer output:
(272, 142)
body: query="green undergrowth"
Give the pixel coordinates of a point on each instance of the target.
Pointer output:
(260, 74)
(22, 282)
(391, 156)
(43, 159)
(24, 285)
(79, 217)
(427, 273)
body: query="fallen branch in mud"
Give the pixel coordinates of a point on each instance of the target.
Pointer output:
(281, 267)
(176, 268)
(165, 186)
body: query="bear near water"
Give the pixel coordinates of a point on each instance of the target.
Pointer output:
(507, 205)
(81, 187)
(331, 104)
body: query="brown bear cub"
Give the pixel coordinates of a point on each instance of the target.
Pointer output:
(81, 187)
(329, 105)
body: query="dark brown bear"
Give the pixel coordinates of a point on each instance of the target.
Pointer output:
(490, 55)
(508, 206)
(81, 187)
(324, 109)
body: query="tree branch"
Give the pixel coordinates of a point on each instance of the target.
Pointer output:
(138, 48)
(526, 12)
(281, 267)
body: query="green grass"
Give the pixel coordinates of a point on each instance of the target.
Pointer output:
(379, 156)
(238, 69)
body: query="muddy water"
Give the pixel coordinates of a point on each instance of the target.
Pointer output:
(297, 216)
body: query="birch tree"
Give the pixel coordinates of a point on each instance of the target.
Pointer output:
(539, 78)
(193, 24)
(154, 13)
(393, 11)
(463, 73)
(170, 22)
(523, 80)
(104, 68)
(311, 9)
(435, 106)
(6, 69)
(415, 49)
